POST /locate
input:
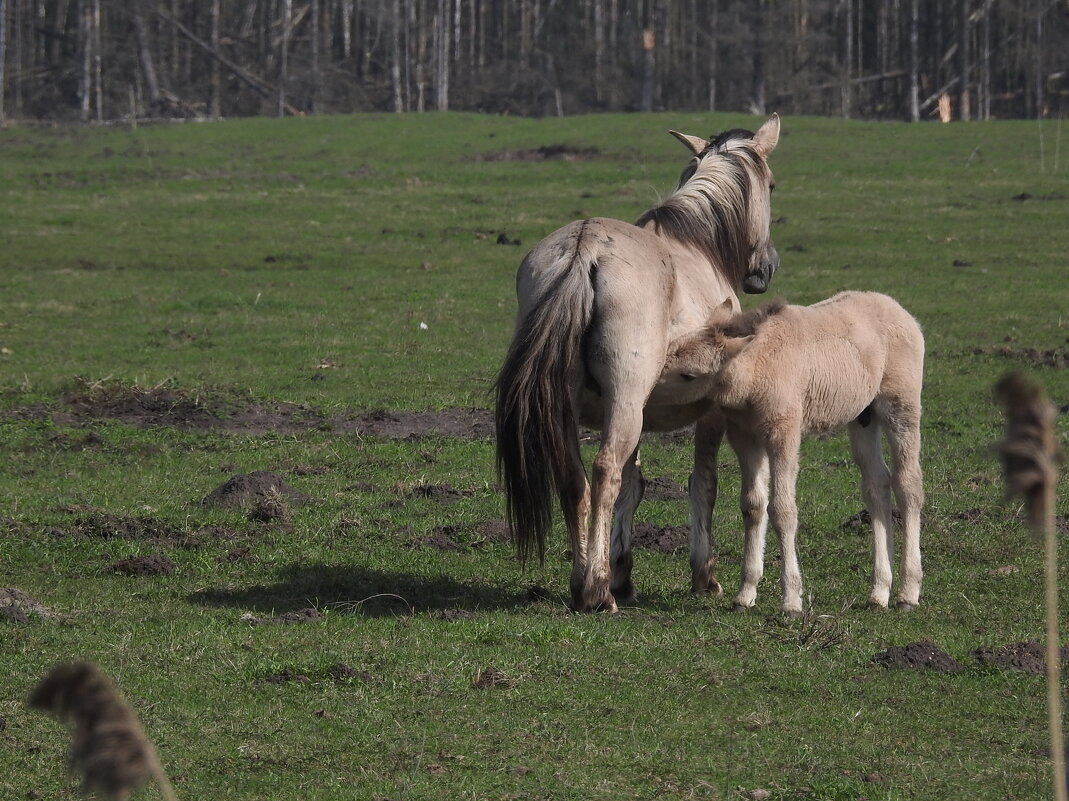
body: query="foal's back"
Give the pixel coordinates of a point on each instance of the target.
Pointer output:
(830, 361)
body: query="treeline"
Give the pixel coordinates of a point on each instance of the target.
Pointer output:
(115, 59)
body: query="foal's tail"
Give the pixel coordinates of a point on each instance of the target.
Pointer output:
(535, 417)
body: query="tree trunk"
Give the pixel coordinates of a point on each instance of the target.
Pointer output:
(215, 107)
(914, 65)
(757, 95)
(443, 39)
(85, 49)
(649, 42)
(3, 57)
(283, 56)
(395, 66)
(848, 58)
(97, 63)
(964, 110)
(148, 68)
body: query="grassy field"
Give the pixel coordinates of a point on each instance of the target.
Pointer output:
(320, 269)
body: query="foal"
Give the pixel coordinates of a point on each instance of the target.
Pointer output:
(782, 372)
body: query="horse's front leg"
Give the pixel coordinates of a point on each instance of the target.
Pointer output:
(632, 485)
(702, 491)
(622, 429)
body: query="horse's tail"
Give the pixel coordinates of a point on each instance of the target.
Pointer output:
(536, 422)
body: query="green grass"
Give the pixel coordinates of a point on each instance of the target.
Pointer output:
(229, 261)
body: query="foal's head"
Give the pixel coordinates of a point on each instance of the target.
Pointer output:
(730, 174)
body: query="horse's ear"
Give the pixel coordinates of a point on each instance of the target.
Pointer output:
(767, 136)
(733, 346)
(722, 313)
(695, 144)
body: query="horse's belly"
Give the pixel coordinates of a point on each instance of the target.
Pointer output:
(655, 417)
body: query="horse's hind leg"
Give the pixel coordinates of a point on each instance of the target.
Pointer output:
(620, 436)
(783, 453)
(575, 494)
(876, 494)
(702, 490)
(753, 503)
(904, 438)
(623, 525)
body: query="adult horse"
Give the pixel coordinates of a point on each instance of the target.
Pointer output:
(599, 301)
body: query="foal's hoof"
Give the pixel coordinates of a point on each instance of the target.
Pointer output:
(793, 614)
(740, 609)
(905, 606)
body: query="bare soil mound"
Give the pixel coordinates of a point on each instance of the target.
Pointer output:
(1025, 657)
(246, 489)
(307, 615)
(555, 152)
(19, 606)
(918, 656)
(662, 539)
(663, 489)
(150, 565)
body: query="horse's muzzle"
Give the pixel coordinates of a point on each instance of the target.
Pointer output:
(757, 280)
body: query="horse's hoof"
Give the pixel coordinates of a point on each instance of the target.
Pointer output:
(793, 614)
(710, 587)
(905, 606)
(876, 606)
(624, 595)
(739, 609)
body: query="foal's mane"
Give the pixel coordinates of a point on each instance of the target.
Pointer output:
(710, 210)
(747, 323)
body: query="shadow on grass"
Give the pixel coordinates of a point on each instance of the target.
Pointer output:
(375, 593)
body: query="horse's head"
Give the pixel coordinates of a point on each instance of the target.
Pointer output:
(743, 155)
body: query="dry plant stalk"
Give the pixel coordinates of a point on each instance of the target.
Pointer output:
(108, 746)
(1029, 458)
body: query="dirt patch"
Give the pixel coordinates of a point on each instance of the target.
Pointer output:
(150, 565)
(282, 677)
(307, 615)
(442, 493)
(863, 520)
(249, 489)
(19, 606)
(455, 615)
(105, 525)
(463, 423)
(918, 656)
(1025, 657)
(496, 531)
(662, 539)
(1032, 357)
(663, 489)
(556, 152)
(490, 678)
(342, 673)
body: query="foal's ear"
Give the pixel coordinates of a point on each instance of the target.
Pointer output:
(733, 346)
(767, 136)
(695, 144)
(722, 313)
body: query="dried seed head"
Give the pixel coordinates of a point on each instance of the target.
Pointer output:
(1028, 452)
(108, 747)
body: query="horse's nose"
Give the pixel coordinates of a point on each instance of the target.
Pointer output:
(758, 280)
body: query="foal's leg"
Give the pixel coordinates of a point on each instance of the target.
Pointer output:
(623, 425)
(904, 437)
(623, 526)
(783, 447)
(702, 493)
(753, 502)
(876, 494)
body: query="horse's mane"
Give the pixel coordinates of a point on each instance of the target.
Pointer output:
(747, 323)
(709, 211)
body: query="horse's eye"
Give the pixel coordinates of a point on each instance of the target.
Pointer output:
(771, 188)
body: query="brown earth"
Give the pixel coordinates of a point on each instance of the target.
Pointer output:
(918, 656)
(19, 606)
(150, 565)
(1025, 657)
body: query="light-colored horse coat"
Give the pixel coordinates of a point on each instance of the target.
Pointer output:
(599, 301)
(778, 374)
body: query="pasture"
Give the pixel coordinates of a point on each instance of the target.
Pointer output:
(180, 305)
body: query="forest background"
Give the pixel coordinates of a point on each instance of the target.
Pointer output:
(105, 60)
